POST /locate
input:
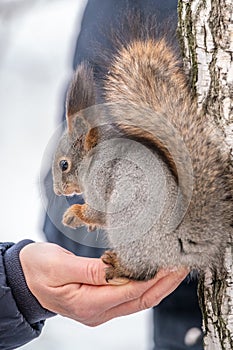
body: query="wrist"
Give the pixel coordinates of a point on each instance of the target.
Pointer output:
(28, 305)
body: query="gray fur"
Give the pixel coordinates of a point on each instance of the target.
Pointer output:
(145, 77)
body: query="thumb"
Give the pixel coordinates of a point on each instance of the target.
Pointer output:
(56, 266)
(75, 269)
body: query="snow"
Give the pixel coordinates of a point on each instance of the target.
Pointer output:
(36, 44)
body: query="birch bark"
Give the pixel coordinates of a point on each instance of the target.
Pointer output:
(206, 36)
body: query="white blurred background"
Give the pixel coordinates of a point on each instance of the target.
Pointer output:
(37, 39)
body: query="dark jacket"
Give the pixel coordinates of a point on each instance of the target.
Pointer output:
(21, 316)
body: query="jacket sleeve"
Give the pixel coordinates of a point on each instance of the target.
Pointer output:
(21, 315)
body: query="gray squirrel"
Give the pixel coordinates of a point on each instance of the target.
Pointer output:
(153, 171)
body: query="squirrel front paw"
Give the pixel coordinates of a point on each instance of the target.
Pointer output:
(71, 219)
(80, 215)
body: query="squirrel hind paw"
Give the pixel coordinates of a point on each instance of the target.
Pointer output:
(115, 273)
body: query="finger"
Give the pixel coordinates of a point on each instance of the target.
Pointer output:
(151, 297)
(75, 269)
(82, 270)
(111, 296)
(59, 267)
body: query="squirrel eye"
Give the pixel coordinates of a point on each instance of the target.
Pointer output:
(64, 165)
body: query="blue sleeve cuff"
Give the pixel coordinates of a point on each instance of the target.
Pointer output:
(28, 305)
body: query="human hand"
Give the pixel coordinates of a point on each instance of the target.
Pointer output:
(75, 287)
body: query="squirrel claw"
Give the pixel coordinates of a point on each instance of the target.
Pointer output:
(91, 228)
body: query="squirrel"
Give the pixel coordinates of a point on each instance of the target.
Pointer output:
(152, 169)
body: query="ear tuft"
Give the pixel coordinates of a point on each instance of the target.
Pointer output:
(81, 92)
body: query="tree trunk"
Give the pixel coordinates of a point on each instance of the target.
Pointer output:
(206, 36)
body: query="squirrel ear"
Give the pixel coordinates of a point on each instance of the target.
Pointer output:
(81, 93)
